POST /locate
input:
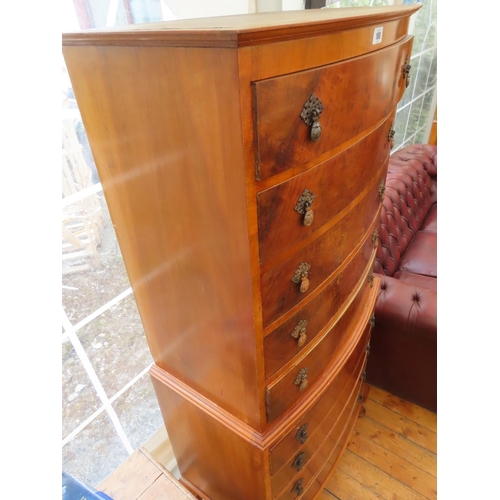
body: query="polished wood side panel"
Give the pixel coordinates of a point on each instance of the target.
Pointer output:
(281, 478)
(334, 183)
(175, 187)
(288, 445)
(280, 347)
(322, 455)
(338, 342)
(325, 254)
(220, 462)
(355, 94)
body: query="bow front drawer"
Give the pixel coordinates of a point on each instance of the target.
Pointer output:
(300, 116)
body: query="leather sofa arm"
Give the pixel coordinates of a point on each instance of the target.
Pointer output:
(409, 308)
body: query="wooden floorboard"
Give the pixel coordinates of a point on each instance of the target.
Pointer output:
(391, 455)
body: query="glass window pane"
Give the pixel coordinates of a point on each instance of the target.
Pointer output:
(116, 345)
(79, 398)
(138, 411)
(95, 452)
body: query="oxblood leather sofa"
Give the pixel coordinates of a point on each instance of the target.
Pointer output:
(403, 351)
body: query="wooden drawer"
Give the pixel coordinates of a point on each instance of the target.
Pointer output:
(307, 425)
(303, 478)
(287, 390)
(301, 457)
(318, 482)
(280, 346)
(356, 94)
(324, 255)
(334, 185)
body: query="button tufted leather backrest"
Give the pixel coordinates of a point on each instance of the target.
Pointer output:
(409, 195)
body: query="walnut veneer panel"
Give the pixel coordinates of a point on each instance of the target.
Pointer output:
(178, 115)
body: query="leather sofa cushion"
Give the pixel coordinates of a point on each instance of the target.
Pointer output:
(421, 255)
(424, 153)
(430, 222)
(428, 282)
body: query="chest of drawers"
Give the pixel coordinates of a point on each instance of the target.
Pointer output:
(243, 161)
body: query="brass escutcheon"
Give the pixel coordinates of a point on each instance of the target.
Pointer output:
(371, 279)
(300, 276)
(298, 462)
(299, 332)
(381, 191)
(301, 379)
(297, 487)
(303, 206)
(375, 238)
(301, 435)
(310, 114)
(406, 71)
(390, 136)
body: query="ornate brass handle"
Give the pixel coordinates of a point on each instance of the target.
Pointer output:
(310, 114)
(375, 238)
(406, 71)
(390, 136)
(298, 462)
(301, 435)
(372, 320)
(371, 279)
(297, 487)
(303, 206)
(300, 276)
(299, 332)
(301, 379)
(381, 191)
(367, 348)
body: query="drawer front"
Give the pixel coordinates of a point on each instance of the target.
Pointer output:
(287, 390)
(317, 483)
(354, 94)
(303, 479)
(295, 334)
(287, 215)
(282, 287)
(308, 424)
(299, 460)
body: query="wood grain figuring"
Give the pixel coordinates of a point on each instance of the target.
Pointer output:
(177, 202)
(174, 112)
(289, 446)
(280, 347)
(283, 393)
(355, 94)
(321, 458)
(281, 477)
(239, 30)
(325, 254)
(335, 184)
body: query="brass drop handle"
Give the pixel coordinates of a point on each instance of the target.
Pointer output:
(310, 114)
(304, 206)
(300, 276)
(381, 191)
(390, 136)
(372, 320)
(298, 461)
(406, 72)
(297, 487)
(371, 279)
(375, 238)
(301, 379)
(301, 435)
(299, 332)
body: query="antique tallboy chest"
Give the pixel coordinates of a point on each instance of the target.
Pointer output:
(243, 161)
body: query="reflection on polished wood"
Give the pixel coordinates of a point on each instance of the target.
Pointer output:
(390, 455)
